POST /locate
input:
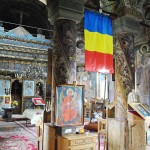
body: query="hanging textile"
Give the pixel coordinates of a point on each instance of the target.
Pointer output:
(98, 42)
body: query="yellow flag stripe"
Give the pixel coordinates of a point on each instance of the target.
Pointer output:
(95, 41)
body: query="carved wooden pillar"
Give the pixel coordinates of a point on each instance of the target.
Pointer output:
(64, 51)
(124, 72)
(125, 28)
(64, 14)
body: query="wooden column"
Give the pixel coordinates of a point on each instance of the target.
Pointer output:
(124, 72)
(124, 32)
(64, 15)
(64, 51)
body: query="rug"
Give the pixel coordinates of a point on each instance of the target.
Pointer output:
(15, 136)
(30, 128)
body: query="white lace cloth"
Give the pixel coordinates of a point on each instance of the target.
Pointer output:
(35, 115)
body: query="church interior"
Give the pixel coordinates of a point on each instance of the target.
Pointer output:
(49, 100)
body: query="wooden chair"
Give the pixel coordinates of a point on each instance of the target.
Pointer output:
(97, 108)
(87, 110)
(102, 130)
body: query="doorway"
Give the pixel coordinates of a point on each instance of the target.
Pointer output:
(16, 94)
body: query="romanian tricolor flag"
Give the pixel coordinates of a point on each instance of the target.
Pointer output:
(98, 42)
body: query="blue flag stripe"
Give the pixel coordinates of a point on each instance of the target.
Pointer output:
(95, 22)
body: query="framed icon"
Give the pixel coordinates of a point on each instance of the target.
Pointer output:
(69, 105)
(4, 84)
(28, 88)
(7, 101)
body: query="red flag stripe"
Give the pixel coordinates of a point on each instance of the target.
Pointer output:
(96, 60)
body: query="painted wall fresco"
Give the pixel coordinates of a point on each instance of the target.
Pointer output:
(95, 84)
(143, 73)
(88, 79)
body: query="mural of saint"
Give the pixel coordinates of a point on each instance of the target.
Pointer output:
(143, 74)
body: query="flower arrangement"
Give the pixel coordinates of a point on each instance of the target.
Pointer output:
(14, 103)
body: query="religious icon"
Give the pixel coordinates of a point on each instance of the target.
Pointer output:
(28, 88)
(69, 107)
(4, 84)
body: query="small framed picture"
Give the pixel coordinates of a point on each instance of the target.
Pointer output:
(7, 100)
(69, 105)
(5, 87)
(28, 88)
